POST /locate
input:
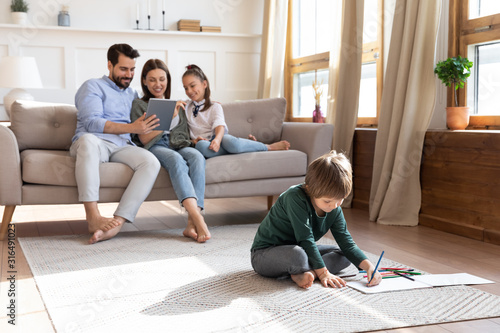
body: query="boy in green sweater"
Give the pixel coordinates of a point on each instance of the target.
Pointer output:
(285, 243)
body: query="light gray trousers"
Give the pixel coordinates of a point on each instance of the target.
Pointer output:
(90, 151)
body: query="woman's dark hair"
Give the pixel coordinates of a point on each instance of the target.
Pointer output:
(115, 50)
(149, 66)
(196, 71)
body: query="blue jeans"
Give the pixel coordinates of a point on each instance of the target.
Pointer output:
(186, 168)
(230, 145)
(284, 260)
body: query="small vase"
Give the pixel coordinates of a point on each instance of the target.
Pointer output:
(318, 115)
(457, 118)
(20, 18)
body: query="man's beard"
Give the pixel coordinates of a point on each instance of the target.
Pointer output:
(118, 80)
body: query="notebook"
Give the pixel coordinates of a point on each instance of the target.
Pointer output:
(163, 109)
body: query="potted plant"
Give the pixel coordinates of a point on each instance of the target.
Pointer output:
(19, 9)
(453, 72)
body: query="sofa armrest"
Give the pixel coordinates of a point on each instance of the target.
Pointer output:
(10, 168)
(312, 138)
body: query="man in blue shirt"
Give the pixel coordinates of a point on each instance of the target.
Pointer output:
(103, 135)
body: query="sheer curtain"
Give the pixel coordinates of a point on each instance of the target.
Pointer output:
(345, 76)
(406, 109)
(272, 61)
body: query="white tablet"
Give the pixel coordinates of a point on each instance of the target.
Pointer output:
(164, 110)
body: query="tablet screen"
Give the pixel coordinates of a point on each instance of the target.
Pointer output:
(164, 110)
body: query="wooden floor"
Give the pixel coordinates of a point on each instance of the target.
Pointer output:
(424, 248)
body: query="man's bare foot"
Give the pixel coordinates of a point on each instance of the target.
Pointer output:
(102, 223)
(280, 145)
(304, 280)
(101, 235)
(251, 137)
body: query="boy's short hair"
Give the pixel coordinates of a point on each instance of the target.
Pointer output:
(329, 176)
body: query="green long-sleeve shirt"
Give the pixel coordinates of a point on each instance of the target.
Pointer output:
(293, 221)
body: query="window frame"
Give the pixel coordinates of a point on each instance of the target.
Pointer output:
(320, 61)
(464, 32)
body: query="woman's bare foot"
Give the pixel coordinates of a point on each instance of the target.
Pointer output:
(280, 145)
(190, 231)
(101, 235)
(304, 280)
(251, 137)
(201, 227)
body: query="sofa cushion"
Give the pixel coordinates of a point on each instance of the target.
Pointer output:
(260, 165)
(261, 117)
(56, 167)
(42, 125)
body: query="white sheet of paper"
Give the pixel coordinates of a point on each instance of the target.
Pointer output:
(439, 280)
(421, 281)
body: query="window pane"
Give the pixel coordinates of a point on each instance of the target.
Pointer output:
(370, 21)
(484, 83)
(480, 8)
(312, 27)
(368, 91)
(303, 92)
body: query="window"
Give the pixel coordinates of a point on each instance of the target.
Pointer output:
(308, 53)
(475, 33)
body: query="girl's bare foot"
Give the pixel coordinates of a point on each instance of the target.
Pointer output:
(280, 145)
(304, 280)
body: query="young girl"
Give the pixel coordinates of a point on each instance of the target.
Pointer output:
(207, 126)
(285, 243)
(185, 165)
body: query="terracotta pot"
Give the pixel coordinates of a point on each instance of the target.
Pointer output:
(457, 118)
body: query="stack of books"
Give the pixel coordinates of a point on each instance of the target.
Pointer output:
(188, 25)
(210, 29)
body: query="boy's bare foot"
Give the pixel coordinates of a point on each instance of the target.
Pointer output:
(102, 223)
(101, 235)
(280, 145)
(251, 137)
(304, 280)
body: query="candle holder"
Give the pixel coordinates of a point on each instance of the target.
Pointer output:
(137, 25)
(149, 22)
(163, 20)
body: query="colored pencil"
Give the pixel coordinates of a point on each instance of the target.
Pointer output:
(376, 266)
(405, 276)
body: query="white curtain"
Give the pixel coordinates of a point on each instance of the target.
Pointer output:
(272, 61)
(345, 75)
(406, 109)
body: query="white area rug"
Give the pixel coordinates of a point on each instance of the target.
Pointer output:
(159, 281)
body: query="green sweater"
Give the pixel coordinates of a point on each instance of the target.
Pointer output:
(293, 221)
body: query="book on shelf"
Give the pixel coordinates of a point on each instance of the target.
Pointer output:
(188, 25)
(210, 29)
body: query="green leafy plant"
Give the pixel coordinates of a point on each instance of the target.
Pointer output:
(19, 6)
(453, 72)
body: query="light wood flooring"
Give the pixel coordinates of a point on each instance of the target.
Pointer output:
(427, 249)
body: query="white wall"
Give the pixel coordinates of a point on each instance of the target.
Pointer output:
(66, 57)
(234, 16)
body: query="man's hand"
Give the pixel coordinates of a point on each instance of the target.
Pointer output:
(144, 125)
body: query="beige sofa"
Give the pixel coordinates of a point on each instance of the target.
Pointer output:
(36, 169)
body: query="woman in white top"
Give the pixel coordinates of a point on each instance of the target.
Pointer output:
(207, 126)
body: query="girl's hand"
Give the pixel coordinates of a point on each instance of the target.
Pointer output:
(195, 141)
(178, 105)
(376, 278)
(328, 279)
(214, 145)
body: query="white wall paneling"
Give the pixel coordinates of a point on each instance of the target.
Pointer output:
(66, 57)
